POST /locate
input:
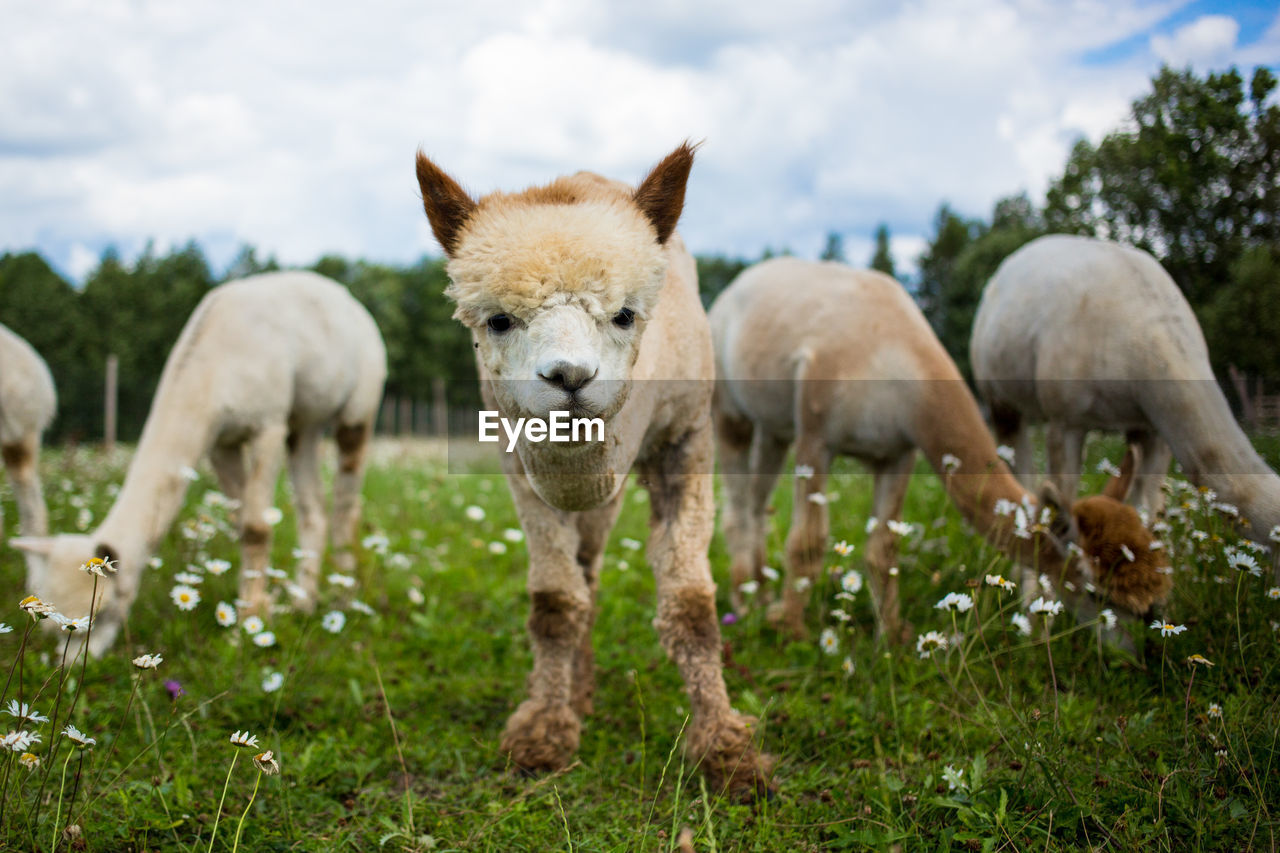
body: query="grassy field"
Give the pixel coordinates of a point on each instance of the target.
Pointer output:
(387, 728)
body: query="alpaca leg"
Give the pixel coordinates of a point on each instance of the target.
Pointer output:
(891, 481)
(543, 732)
(265, 455)
(768, 453)
(807, 540)
(353, 446)
(1012, 431)
(21, 460)
(733, 443)
(593, 533)
(1066, 447)
(681, 520)
(1148, 490)
(308, 504)
(229, 467)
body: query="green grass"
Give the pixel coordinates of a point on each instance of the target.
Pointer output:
(1065, 745)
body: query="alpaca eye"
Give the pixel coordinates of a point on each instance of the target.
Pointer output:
(624, 319)
(499, 323)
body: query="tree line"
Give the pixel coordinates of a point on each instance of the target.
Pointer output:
(1193, 176)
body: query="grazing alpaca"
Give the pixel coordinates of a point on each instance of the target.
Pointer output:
(581, 297)
(27, 405)
(263, 363)
(841, 361)
(1087, 334)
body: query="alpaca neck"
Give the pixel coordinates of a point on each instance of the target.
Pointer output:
(1194, 417)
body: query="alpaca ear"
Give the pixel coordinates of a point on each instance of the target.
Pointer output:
(660, 196)
(106, 552)
(1120, 487)
(1061, 522)
(42, 545)
(447, 205)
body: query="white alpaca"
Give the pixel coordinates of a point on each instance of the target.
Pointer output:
(841, 361)
(1087, 334)
(27, 405)
(262, 363)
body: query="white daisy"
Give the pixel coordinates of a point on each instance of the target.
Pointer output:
(1022, 623)
(185, 597)
(266, 762)
(272, 682)
(272, 515)
(958, 601)
(630, 544)
(334, 621)
(264, 640)
(1048, 608)
(475, 513)
(360, 607)
(511, 534)
(828, 641)
(497, 548)
(252, 624)
(851, 581)
(189, 578)
(148, 661)
(804, 472)
(70, 625)
(954, 778)
(415, 596)
(1167, 628)
(225, 614)
(23, 711)
(342, 580)
(1108, 618)
(4, 628)
(1215, 710)
(217, 567)
(244, 739)
(872, 524)
(950, 463)
(1128, 552)
(1006, 453)
(842, 548)
(79, 738)
(1106, 466)
(928, 643)
(100, 566)
(770, 573)
(1000, 581)
(901, 528)
(847, 665)
(748, 587)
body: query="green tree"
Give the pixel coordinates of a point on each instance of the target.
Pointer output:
(715, 272)
(882, 258)
(1242, 320)
(834, 249)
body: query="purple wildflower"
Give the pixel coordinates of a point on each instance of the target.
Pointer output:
(728, 618)
(174, 688)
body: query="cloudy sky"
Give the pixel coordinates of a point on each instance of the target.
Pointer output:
(236, 122)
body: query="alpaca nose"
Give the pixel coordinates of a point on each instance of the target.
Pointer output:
(568, 375)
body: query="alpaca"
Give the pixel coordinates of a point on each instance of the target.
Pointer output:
(263, 363)
(841, 361)
(1087, 334)
(27, 405)
(581, 297)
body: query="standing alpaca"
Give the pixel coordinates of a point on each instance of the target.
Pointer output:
(841, 361)
(263, 363)
(581, 297)
(1087, 334)
(27, 405)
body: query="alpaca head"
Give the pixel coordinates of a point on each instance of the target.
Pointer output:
(1114, 547)
(558, 282)
(54, 574)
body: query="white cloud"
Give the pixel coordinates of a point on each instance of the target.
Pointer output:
(1208, 39)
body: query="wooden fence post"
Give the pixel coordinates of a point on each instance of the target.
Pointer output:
(109, 403)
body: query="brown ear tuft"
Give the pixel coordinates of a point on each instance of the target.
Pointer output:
(447, 204)
(660, 195)
(1119, 487)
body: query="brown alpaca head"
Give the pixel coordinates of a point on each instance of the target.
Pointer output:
(558, 282)
(1115, 544)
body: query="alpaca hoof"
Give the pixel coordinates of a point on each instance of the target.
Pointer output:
(541, 737)
(731, 761)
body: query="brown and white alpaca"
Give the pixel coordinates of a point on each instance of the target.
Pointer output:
(27, 406)
(841, 361)
(581, 297)
(1088, 334)
(263, 363)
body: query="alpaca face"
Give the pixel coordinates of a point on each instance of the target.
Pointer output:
(54, 575)
(557, 283)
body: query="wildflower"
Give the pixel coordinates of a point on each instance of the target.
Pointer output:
(342, 580)
(185, 597)
(1167, 628)
(23, 711)
(818, 498)
(253, 625)
(1045, 583)
(244, 739)
(266, 762)
(264, 640)
(1156, 545)
(1273, 593)
(5, 629)
(415, 596)
(156, 562)
(958, 601)
(839, 615)
(379, 542)
(804, 472)
(275, 574)
(928, 643)
(303, 554)
(148, 661)
(475, 513)
(29, 761)
(99, 566)
(225, 614)
(1199, 659)
(174, 688)
(1128, 553)
(901, 528)
(954, 778)
(1001, 581)
(360, 607)
(842, 548)
(1274, 535)
(79, 738)
(513, 535)
(851, 581)
(497, 548)
(1004, 506)
(801, 584)
(1226, 509)
(1006, 453)
(828, 641)
(1199, 535)
(399, 561)
(770, 573)
(1106, 466)
(847, 665)
(272, 515)
(217, 567)
(1048, 608)
(1215, 711)
(1241, 561)
(334, 621)
(728, 618)
(872, 524)
(71, 625)
(189, 578)
(37, 608)
(950, 463)
(19, 741)
(630, 544)
(1022, 623)
(273, 682)
(1108, 618)
(748, 587)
